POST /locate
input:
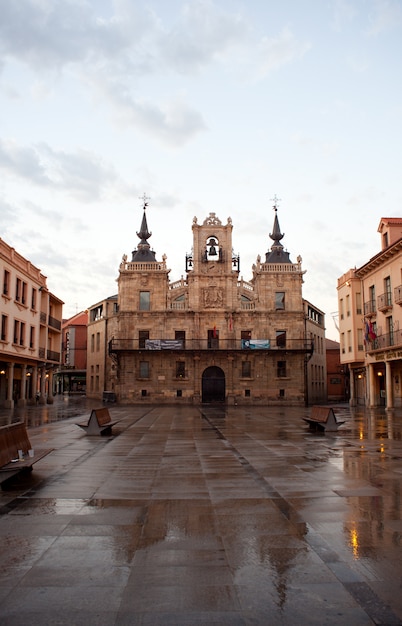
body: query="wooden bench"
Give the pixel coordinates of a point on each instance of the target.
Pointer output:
(99, 422)
(14, 437)
(323, 418)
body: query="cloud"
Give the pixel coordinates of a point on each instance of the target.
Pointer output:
(46, 34)
(273, 52)
(203, 33)
(82, 174)
(386, 15)
(173, 122)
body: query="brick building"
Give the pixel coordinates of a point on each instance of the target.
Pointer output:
(210, 336)
(71, 376)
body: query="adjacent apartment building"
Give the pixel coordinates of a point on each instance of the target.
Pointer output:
(210, 337)
(30, 339)
(70, 378)
(370, 322)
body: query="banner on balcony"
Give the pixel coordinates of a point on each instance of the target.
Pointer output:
(163, 344)
(255, 344)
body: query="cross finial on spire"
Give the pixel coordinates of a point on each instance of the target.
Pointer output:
(144, 198)
(275, 200)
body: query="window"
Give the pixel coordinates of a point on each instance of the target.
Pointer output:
(358, 303)
(96, 313)
(213, 338)
(33, 299)
(180, 335)
(92, 342)
(348, 305)
(4, 321)
(16, 331)
(281, 369)
(341, 313)
(279, 300)
(349, 341)
(144, 369)
(371, 300)
(32, 337)
(18, 289)
(281, 338)
(180, 369)
(387, 286)
(143, 335)
(360, 345)
(97, 342)
(24, 292)
(246, 369)
(390, 329)
(145, 301)
(6, 283)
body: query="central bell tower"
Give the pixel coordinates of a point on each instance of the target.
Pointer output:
(212, 268)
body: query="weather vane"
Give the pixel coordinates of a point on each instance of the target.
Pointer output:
(144, 198)
(275, 200)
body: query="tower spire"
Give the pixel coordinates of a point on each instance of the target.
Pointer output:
(277, 254)
(143, 253)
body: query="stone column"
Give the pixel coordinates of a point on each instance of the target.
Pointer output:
(372, 385)
(22, 400)
(50, 397)
(9, 403)
(34, 385)
(388, 386)
(42, 398)
(352, 388)
(231, 392)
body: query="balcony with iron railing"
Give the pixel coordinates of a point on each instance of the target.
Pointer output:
(53, 356)
(215, 343)
(369, 308)
(398, 295)
(388, 340)
(54, 323)
(384, 302)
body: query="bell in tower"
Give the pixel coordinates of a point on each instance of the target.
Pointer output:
(212, 247)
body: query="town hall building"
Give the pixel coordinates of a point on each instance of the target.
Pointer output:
(210, 337)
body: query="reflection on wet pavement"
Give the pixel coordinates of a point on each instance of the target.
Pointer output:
(211, 516)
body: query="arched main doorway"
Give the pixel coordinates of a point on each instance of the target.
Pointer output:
(213, 384)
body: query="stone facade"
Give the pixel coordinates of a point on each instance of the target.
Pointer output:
(208, 337)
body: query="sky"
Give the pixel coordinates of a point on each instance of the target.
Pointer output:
(204, 106)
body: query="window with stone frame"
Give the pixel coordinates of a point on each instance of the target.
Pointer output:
(281, 369)
(144, 369)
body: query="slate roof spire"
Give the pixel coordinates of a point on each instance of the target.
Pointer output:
(143, 253)
(277, 254)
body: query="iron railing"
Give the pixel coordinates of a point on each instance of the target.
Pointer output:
(133, 345)
(384, 301)
(388, 340)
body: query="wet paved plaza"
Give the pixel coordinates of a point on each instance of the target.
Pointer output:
(198, 516)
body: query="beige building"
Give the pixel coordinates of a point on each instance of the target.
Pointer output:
(30, 341)
(210, 336)
(370, 322)
(316, 364)
(101, 368)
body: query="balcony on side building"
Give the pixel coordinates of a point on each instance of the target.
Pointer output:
(398, 295)
(386, 341)
(370, 308)
(384, 302)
